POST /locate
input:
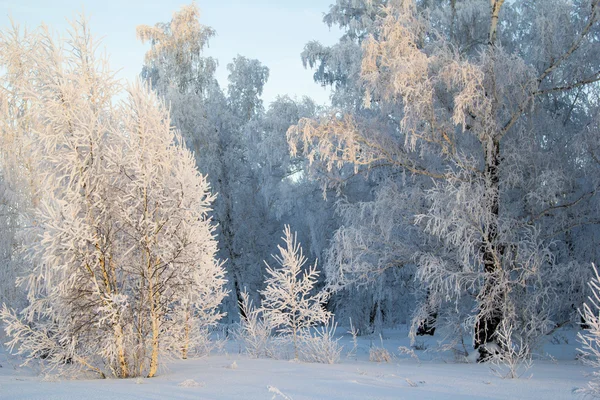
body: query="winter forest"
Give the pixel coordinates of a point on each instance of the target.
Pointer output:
(433, 232)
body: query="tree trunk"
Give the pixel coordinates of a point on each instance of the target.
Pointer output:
(226, 221)
(427, 327)
(154, 355)
(295, 338)
(227, 234)
(496, 6)
(155, 328)
(123, 367)
(186, 337)
(490, 316)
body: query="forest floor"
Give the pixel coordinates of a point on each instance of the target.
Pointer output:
(230, 374)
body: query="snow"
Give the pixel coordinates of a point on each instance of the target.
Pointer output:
(231, 374)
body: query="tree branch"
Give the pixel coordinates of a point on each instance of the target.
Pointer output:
(575, 45)
(566, 205)
(570, 86)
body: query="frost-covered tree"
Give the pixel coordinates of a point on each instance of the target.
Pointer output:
(244, 152)
(209, 124)
(285, 190)
(19, 184)
(489, 124)
(388, 297)
(254, 332)
(123, 252)
(290, 302)
(338, 66)
(590, 339)
(246, 81)
(175, 61)
(13, 216)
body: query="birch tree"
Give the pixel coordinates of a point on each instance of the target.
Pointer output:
(475, 112)
(242, 146)
(184, 77)
(123, 252)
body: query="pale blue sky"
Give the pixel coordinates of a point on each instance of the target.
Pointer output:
(272, 31)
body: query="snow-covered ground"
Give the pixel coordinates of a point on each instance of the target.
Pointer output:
(232, 375)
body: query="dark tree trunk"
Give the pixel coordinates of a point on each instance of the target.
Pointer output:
(376, 316)
(227, 240)
(226, 221)
(489, 319)
(427, 327)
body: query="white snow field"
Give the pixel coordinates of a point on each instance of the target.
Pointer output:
(230, 374)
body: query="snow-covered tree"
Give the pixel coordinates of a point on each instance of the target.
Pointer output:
(185, 79)
(123, 252)
(20, 183)
(290, 302)
(244, 153)
(175, 61)
(246, 81)
(590, 339)
(254, 331)
(387, 298)
(488, 124)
